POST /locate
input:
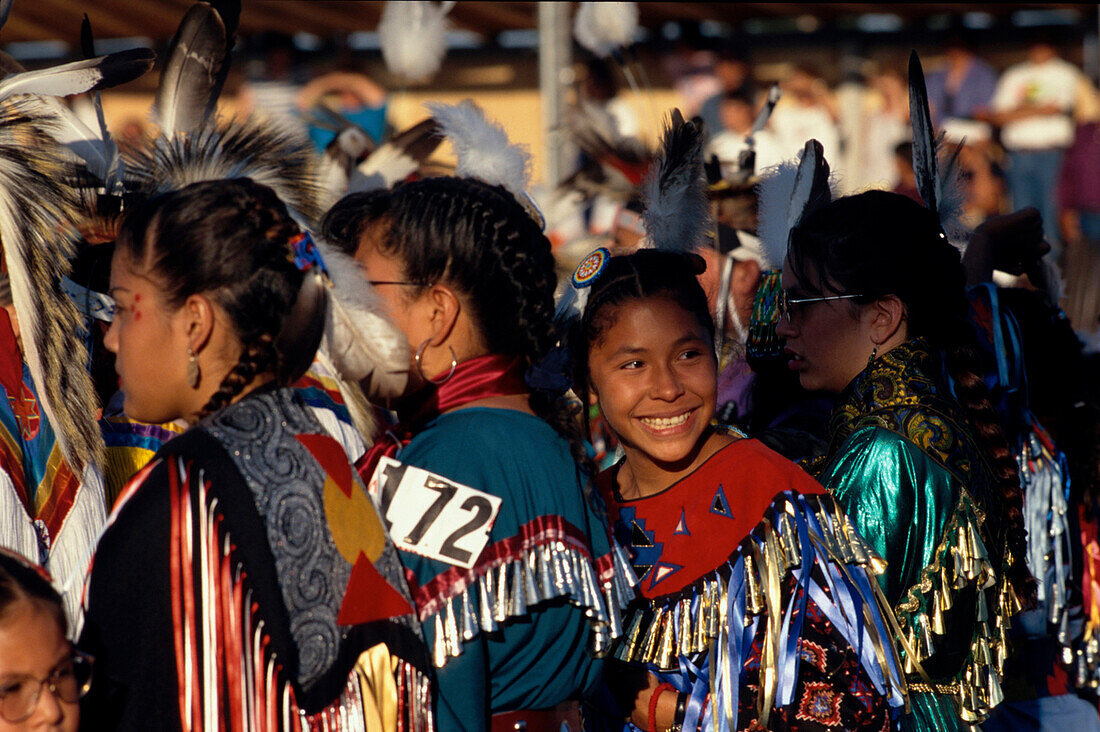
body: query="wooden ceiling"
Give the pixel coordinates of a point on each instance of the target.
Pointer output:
(41, 20)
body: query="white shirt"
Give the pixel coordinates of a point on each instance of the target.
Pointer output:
(728, 145)
(794, 124)
(1051, 82)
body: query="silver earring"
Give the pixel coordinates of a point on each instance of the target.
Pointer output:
(192, 369)
(445, 379)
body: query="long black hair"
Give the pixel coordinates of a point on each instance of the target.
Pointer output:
(876, 244)
(231, 240)
(477, 238)
(645, 274)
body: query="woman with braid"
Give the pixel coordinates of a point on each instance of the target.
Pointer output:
(516, 581)
(245, 580)
(874, 310)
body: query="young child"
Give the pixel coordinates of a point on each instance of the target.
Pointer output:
(731, 542)
(41, 677)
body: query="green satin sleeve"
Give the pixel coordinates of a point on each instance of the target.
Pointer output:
(898, 497)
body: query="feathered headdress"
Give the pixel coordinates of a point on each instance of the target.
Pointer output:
(675, 210)
(358, 341)
(605, 27)
(674, 195)
(413, 36)
(788, 194)
(37, 209)
(937, 180)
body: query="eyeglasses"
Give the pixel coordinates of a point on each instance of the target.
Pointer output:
(68, 682)
(786, 302)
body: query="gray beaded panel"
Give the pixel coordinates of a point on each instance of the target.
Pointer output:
(287, 486)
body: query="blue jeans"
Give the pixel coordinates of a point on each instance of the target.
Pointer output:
(1032, 181)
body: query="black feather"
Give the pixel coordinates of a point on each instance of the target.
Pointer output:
(420, 140)
(924, 136)
(87, 45)
(192, 75)
(124, 66)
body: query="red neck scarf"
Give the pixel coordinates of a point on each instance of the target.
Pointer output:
(479, 378)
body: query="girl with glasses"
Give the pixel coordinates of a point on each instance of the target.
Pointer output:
(916, 456)
(41, 677)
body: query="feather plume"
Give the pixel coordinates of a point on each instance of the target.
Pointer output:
(787, 193)
(35, 208)
(110, 170)
(924, 137)
(482, 147)
(677, 215)
(80, 76)
(774, 193)
(187, 92)
(361, 343)
(274, 157)
(605, 27)
(938, 181)
(401, 156)
(413, 36)
(811, 184)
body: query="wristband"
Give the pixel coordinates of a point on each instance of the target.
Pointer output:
(651, 720)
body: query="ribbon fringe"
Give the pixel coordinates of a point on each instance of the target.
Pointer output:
(962, 562)
(508, 588)
(229, 678)
(806, 537)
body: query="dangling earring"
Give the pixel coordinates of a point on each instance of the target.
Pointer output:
(192, 369)
(874, 354)
(445, 379)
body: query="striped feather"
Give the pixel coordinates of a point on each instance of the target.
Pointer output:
(35, 210)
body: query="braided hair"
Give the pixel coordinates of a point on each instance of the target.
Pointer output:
(477, 238)
(880, 244)
(230, 240)
(645, 274)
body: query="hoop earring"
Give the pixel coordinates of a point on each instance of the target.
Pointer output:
(192, 369)
(420, 369)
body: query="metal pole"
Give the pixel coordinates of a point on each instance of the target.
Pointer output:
(555, 45)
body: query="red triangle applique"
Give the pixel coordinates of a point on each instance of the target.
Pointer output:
(369, 596)
(332, 458)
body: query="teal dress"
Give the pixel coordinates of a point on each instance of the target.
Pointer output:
(549, 544)
(905, 466)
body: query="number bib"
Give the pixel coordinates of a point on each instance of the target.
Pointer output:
(433, 516)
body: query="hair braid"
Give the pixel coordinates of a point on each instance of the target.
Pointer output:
(257, 358)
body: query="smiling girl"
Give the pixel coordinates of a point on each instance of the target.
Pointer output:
(734, 624)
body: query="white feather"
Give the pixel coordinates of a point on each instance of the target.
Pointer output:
(362, 344)
(604, 27)
(413, 36)
(774, 192)
(482, 147)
